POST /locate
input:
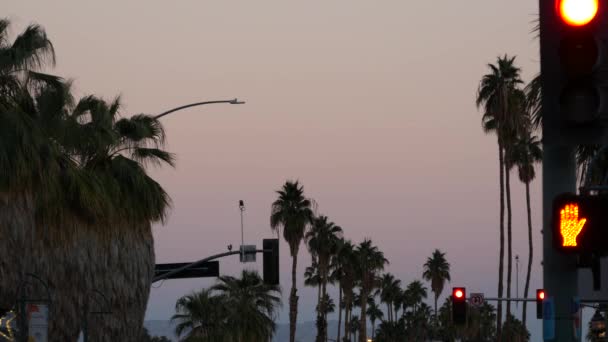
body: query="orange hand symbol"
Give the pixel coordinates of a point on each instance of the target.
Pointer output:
(569, 224)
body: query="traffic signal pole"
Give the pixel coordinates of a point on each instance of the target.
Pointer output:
(559, 270)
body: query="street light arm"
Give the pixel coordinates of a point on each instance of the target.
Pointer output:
(233, 101)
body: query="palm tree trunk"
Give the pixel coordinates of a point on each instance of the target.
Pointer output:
(293, 298)
(373, 329)
(339, 310)
(502, 242)
(509, 237)
(324, 312)
(363, 319)
(436, 297)
(388, 312)
(121, 268)
(530, 253)
(347, 312)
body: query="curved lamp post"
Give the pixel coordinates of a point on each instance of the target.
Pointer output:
(233, 101)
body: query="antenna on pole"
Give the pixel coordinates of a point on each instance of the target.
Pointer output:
(242, 209)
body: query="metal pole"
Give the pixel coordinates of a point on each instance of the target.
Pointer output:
(559, 271)
(242, 209)
(516, 279)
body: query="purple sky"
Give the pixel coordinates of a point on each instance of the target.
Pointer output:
(369, 104)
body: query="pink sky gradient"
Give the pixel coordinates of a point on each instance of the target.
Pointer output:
(370, 104)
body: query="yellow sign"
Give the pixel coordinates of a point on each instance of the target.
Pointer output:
(570, 225)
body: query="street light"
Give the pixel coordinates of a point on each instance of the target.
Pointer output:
(233, 101)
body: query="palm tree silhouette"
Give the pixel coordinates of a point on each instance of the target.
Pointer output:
(293, 212)
(437, 271)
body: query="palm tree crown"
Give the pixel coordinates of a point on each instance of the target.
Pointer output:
(437, 271)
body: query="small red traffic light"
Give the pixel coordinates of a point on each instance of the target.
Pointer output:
(541, 294)
(458, 293)
(578, 12)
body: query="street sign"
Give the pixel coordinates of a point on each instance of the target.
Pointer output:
(207, 269)
(247, 253)
(477, 300)
(38, 322)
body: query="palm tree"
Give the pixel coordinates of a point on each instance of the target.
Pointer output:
(201, 315)
(251, 304)
(312, 278)
(389, 290)
(293, 212)
(323, 242)
(233, 310)
(496, 96)
(355, 326)
(527, 152)
(345, 274)
(414, 294)
(23, 167)
(374, 313)
(437, 271)
(370, 261)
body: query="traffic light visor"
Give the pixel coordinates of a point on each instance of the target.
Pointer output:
(577, 12)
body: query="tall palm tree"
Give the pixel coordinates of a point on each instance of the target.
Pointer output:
(370, 260)
(374, 313)
(527, 152)
(293, 212)
(496, 95)
(323, 242)
(251, 304)
(437, 271)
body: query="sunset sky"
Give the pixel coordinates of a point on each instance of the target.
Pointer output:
(370, 104)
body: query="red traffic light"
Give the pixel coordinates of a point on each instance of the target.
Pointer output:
(540, 294)
(458, 293)
(577, 12)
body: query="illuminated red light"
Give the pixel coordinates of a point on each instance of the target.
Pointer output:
(458, 294)
(578, 12)
(540, 294)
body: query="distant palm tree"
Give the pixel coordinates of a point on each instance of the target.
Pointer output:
(414, 294)
(312, 278)
(355, 326)
(389, 290)
(437, 271)
(251, 304)
(502, 102)
(527, 152)
(369, 261)
(200, 315)
(374, 313)
(345, 263)
(323, 242)
(293, 212)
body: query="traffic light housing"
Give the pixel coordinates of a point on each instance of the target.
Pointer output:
(579, 224)
(459, 305)
(540, 297)
(271, 261)
(573, 36)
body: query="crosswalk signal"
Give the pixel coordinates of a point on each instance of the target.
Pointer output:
(271, 261)
(579, 224)
(540, 297)
(459, 305)
(573, 36)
